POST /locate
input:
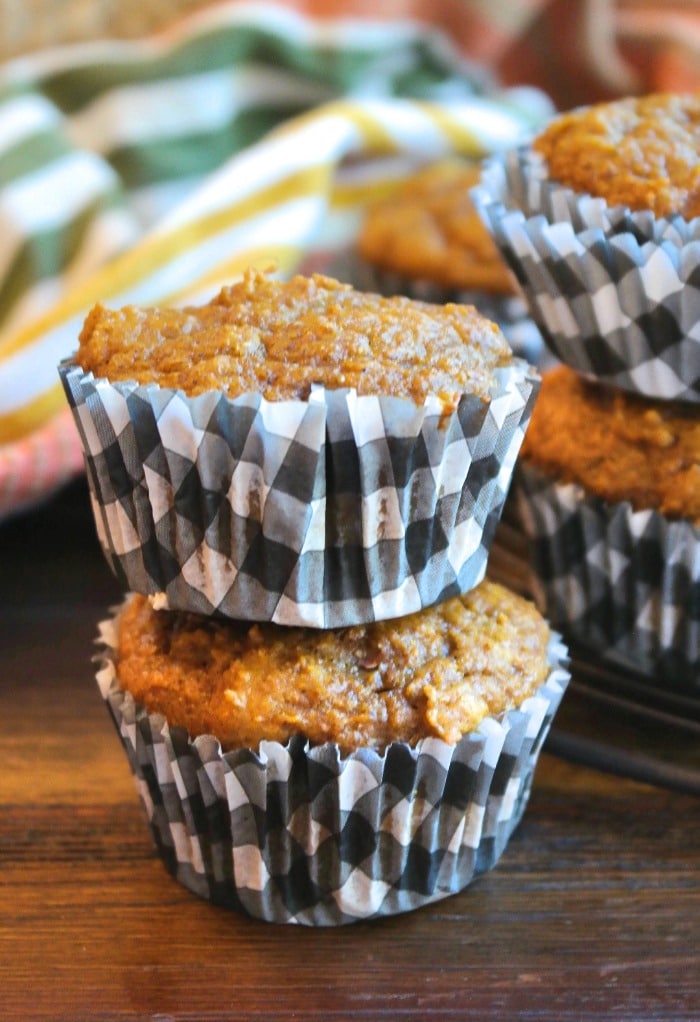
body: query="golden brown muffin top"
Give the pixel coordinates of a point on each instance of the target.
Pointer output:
(617, 445)
(278, 338)
(438, 672)
(428, 229)
(642, 152)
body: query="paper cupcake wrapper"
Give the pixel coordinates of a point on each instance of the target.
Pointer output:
(620, 582)
(293, 834)
(508, 310)
(612, 303)
(521, 178)
(333, 511)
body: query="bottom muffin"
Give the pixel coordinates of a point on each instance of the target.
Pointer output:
(608, 490)
(378, 768)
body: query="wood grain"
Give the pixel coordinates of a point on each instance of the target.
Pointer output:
(592, 913)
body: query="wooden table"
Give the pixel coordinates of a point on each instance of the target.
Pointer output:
(592, 913)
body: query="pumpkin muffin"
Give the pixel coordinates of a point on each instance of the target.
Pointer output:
(426, 240)
(281, 338)
(323, 777)
(428, 230)
(298, 451)
(641, 151)
(642, 451)
(436, 673)
(598, 220)
(609, 492)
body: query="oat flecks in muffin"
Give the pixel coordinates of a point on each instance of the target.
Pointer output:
(434, 673)
(642, 152)
(617, 445)
(428, 229)
(277, 338)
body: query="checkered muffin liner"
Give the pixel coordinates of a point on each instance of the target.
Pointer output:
(620, 582)
(615, 293)
(509, 311)
(298, 834)
(329, 512)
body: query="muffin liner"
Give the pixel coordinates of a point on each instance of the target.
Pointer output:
(615, 293)
(298, 834)
(333, 511)
(508, 310)
(521, 177)
(620, 582)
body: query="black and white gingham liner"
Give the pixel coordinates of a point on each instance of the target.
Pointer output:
(327, 512)
(520, 179)
(509, 311)
(623, 583)
(293, 834)
(616, 294)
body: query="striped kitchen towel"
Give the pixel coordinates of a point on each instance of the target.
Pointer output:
(157, 170)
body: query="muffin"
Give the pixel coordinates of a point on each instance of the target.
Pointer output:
(639, 152)
(426, 240)
(598, 219)
(608, 488)
(298, 451)
(321, 777)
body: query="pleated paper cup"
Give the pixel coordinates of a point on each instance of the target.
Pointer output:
(297, 834)
(334, 511)
(615, 293)
(622, 583)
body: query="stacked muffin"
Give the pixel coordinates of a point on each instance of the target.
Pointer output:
(600, 220)
(330, 712)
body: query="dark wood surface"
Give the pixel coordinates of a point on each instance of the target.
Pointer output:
(592, 913)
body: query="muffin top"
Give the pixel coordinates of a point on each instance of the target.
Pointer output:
(278, 338)
(617, 445)
(642, 152)
(438, 672)
(428, 229)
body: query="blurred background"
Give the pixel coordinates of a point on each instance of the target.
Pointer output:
(576, 50)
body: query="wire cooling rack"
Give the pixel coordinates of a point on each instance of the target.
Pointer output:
(612, 718)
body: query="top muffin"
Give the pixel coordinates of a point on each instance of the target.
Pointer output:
(429, 229)
(642, 152)
(298, 452)
(278, 339)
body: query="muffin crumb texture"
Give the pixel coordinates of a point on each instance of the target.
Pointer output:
(642, 152)
(435, 673)
(617, 445)
(278, 338)
(428, 229)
